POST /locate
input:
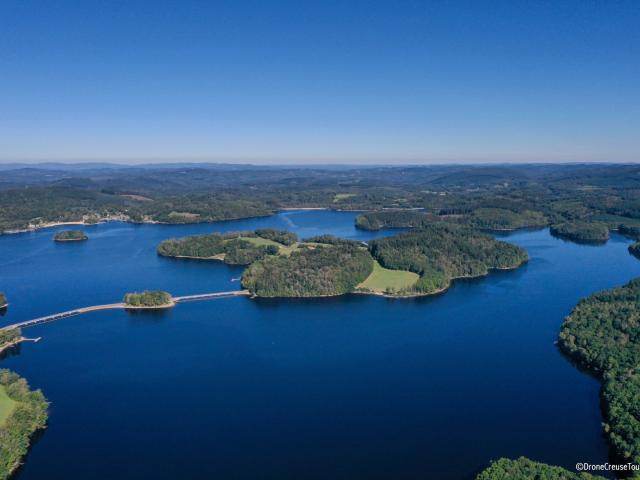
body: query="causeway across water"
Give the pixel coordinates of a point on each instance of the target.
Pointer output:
(112, 306)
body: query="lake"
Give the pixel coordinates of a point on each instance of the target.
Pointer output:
(349, 387)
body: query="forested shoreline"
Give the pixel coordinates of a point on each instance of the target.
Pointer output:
(602, 333)
(28, 414)
(234, 248)
(484, 197)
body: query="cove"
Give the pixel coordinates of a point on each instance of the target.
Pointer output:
(349, 387)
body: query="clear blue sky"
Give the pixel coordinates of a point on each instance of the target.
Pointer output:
(309, 81)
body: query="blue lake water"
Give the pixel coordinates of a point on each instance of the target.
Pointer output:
(349, 387)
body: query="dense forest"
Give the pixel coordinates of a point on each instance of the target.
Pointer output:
(70, 236)
(487, 197)
(580, 231)
(393, 219)
(525, 469)
(235, 248)
(148, 298)
(444, 251)
(603, 333)
(29, 414)
(309, 272)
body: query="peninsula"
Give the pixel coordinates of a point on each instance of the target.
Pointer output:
(601, 333)
(482, 218)
(3, 301)
(525, 469)
(421, 262)
(581, 231)
(22, 412)
(70, 236)
(234, 248)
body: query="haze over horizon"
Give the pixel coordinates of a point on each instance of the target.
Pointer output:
(286, 82)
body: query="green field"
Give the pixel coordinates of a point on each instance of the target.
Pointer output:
(6, 405)
(342, 196)
(259, 241)
(384, 280)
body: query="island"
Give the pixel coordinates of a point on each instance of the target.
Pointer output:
(335, 268)
(525, 469)
(443, 252)
(234, 248)
(634, 249)
(70, 236)
(154, 299)
(601, 333)
(420, 262)
(22, 413)
(581, 231)
(3, 301)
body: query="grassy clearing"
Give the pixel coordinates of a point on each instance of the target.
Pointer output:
(383, 280)
(6, 405)
(259, 241)
(342, 196)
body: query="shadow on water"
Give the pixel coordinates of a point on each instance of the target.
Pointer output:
(148, 315)
(12, 351)
(3, 311)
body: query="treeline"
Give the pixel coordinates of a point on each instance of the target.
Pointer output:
(233, 247)
(603, 333)
(70, 236)
(393, 219)
(581, 231)
(148, 298)
(309, 272)
(504, 219)
(525, 469)
(29, 415)
(483, 218)
(442, 252)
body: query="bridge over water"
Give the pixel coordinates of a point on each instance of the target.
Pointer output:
(113, 306)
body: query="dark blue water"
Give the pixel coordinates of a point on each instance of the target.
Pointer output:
(351, 387)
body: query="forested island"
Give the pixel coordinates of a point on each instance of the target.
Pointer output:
(581, 231)
(22, 412)
(3, 300)
(634, 249)
(525, 469)
(310, 271)
(420, 262)
(235, 248)
(602, 333)
(70, 236)
(443, 252)
(148, 299)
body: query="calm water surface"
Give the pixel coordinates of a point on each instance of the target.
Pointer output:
(352, 387)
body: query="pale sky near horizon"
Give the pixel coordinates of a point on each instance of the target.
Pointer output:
(320, 81)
